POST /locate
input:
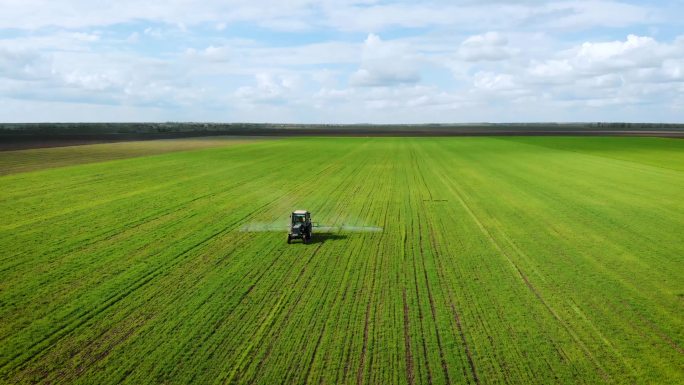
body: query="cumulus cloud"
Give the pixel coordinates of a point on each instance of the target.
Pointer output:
(636, 51)
(350, 60)
(636, 70)
(634, 57)
(384, 64)
(269, 89)
(17, 63)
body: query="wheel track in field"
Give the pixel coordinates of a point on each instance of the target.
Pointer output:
(105, 201)
(371, 298)
(344, 363)
(320, 335)
(457, 318)
(350, 330)
(450, 295)
(408, 355)
(118, 297)
(57, 334)
(275, 338)
(459, 328)
(40, 346)
(238, 241)
(308, 263)
(342, 204)
(433, 311)
(537, 193)
(456, 314)
(466, 346)
(650, 325)
(123, 225)
(109, 232)
(417, 290)
(573, 305)
(606, 270)
(263, 273)
(97, 174)
(343, 182)
(420, 310)
(259, 334)
(410, 377)
(423, 209)
(561, 353)
(211, 194)
(362, 359)
(112, 234)
(457, 193)
(215, 323)
(291, 294)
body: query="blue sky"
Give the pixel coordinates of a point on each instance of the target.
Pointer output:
(341, 61)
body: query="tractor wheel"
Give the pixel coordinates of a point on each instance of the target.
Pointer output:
(289, 239)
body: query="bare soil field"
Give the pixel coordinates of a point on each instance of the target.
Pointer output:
(62, 153)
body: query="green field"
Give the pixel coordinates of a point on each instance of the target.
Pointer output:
(451, 261)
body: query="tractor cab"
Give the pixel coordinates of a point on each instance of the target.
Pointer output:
(300, 226)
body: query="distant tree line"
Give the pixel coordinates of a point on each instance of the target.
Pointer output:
(176, 129)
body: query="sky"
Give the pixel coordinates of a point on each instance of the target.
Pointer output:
(341, 61)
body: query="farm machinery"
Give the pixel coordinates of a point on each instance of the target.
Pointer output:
(300, 227)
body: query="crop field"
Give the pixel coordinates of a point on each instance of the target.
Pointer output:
(491, 260)
(40, 158)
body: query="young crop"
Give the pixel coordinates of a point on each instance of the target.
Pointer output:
(440, 261)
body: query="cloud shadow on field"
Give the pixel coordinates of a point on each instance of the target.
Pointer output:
(324, 237)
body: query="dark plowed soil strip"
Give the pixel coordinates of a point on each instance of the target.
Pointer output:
(410, 377)
(16, 142)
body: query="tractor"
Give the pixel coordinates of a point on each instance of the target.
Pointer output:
(300, 227)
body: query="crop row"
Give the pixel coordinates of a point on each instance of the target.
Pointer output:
(498, 261)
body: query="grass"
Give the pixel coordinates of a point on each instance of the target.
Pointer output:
(500, 260)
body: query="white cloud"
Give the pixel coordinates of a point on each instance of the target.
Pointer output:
(17, 63)
(384, 64)
(353, 15)
(494, 81)
(269, 88)
(465, 60)
(636, 51)
(583, 14)
(633, 57)
(552, 70)
(491, 46)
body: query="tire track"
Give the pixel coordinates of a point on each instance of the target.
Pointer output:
(530, 286)
(431, 300)
(40, 346)
(469, 355)
(407, 342)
